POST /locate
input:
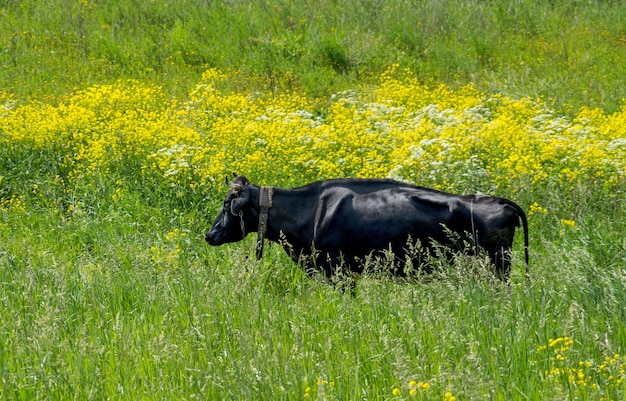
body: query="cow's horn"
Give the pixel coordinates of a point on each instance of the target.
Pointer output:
(226, 178)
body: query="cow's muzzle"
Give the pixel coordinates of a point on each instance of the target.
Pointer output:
(210, 238)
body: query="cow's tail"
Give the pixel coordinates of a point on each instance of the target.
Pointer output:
(522, 216)
(525, 225)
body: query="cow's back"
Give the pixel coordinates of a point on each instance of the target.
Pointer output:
(385, 214)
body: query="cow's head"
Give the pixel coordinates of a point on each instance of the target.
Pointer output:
(237, 217)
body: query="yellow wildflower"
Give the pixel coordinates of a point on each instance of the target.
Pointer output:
(449, 397)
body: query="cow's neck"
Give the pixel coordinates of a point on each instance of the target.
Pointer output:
(290, 218)
(266, 195)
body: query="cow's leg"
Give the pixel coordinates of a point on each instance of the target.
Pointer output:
(501, 259)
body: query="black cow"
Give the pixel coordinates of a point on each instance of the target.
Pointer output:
(342, 222)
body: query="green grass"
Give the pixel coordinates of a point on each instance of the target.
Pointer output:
(126, 301)
(570, 53)
(88, 311)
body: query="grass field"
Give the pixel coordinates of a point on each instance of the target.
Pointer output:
(119, 121)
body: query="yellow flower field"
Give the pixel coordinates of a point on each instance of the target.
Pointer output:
(459, 140)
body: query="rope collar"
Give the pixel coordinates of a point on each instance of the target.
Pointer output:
(265, 203)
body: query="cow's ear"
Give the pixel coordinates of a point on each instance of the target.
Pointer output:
(239, 202)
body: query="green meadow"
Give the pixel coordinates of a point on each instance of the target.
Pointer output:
(119, 121)
(569, 52)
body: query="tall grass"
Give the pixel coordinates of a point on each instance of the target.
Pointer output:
(570, 53)
(93, 308)
(108, 291)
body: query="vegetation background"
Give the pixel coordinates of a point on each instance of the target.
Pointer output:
(569, 52)
(107, 290)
